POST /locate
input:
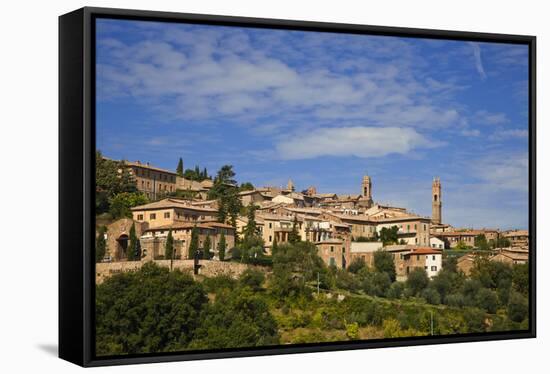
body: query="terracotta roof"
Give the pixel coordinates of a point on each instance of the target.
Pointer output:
(513, 255)
(466, 257)
(351, 217)
(295, 196)
(189, 225)
(455, 233)
(349, 197)
(403, 218)
(275, 217)
(249, 192)
(304, 210)
(172, 203)
(516, 233)
(425, 251)
(147, 166)
(330, 241)
(325, 195)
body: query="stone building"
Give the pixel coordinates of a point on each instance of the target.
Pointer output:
(118, 237)
(453, 238)
(152, 181)
(334, 252)
(170, 211)
(413, 229)
(365, 251)
(153, 240)
(427, 258)
(517, 238)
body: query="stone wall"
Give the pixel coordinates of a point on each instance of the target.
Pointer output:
(208, 268)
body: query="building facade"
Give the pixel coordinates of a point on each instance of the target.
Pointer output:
(152, 181)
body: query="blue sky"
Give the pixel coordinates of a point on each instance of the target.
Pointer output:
(324, 109)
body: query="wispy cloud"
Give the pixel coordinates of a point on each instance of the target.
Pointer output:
(509, 134)
(231, 75)
(476, 50)
(470, 133)
(484, 117)
(504, 171)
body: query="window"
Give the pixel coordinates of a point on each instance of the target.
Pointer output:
(332, 248)
(140, 217)
(434, 268)
(270, 225)
(417, 257)
(270, 238)
(433, 257)
(167, 215)
(153, 216)
(343, 250)
(415, 227)
(425, 268)
(332, 261)
(408, 228)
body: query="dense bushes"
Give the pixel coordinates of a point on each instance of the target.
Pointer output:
(151, 310)
(154, 310)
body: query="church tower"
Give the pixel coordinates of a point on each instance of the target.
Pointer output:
(436, 201)
(366, 188)
(290, 185)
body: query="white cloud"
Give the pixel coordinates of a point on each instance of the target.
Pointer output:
(509, 134)
(470, 133)
(362, 142)
(477, 58)
(485, 117)
(504, 171)
(233, 76)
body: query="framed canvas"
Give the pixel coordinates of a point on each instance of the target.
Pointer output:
(236, 186)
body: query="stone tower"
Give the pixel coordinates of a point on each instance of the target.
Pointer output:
(436, 201)
(290, 185)
(366, 188)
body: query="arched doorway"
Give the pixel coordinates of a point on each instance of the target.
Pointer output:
(122, 246)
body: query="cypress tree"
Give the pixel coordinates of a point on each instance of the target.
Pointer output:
(294, 237)
(100, 244)
(179, 169)
(207, 245)
(221, 247)
(169, 247)
(131, 250)
(194, 245)
(250, 228)
(274, 247)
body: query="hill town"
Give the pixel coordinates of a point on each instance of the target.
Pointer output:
(183, 208)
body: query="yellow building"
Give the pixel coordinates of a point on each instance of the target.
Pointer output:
(153, 241)
(152, 181)
(169, 211)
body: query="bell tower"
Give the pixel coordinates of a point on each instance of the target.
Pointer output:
(436, 201)
(290, 185)
(366, 188)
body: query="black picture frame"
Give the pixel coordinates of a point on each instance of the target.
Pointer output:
(76, 182)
